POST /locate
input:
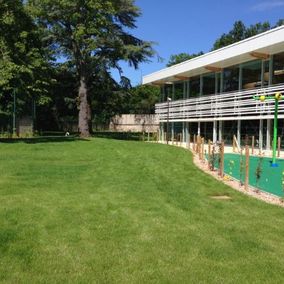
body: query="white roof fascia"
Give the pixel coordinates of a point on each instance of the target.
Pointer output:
(258, 42)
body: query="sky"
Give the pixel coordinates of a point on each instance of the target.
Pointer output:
(193, 26)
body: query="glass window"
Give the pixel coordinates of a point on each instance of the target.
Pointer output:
(231, 79)
(179, 88)
(251, 74)
(194, 87)
(162, 94)
(209, 84)
(278, 68)
(217, 83)
(265, 80)
(168, 91)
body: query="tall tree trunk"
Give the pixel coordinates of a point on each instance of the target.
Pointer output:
(83, 109)
(90, 118)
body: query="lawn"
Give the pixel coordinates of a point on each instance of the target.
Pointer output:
(109, 211)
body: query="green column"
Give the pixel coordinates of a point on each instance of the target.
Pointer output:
(275, 132)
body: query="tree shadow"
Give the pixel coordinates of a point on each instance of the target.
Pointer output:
(132, 136)
(42, 139)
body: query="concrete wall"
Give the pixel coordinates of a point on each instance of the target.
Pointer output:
(135, 123)
(25, 125)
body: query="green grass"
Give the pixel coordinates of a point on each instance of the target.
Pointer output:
(106, 211)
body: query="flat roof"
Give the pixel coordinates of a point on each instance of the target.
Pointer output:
(258, 46)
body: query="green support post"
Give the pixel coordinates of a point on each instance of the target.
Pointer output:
(277, 97)
(275, 127)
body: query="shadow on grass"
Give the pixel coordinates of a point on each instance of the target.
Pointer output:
(45, 139)
(131, 136)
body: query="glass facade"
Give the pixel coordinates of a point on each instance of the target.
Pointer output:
(251, 74)
(209, 82)
(231, 79)
(194, 87)
(246, 76)
(178, 90)
(278, 68)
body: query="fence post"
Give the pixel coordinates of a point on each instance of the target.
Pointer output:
(222, 160)
(279, 146)
(209, 154)
(198, 143)
(234, 144)
(193, 146)
(189, 141)
(199, 148)
(247, 168)
(202, 149)
(252, 145)
(213, 157)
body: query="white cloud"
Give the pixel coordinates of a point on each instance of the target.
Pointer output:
(263, 6)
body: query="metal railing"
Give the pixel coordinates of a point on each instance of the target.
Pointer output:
(224, 106)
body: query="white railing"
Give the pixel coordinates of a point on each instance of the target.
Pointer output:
(225, 106)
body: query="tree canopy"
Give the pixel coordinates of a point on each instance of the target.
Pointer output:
(94, 36)
(181, 57)
(237, 33)
(23, 60)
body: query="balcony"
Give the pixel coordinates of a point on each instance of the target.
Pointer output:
(238, 105)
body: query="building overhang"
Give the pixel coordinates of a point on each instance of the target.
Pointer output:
(257, 47)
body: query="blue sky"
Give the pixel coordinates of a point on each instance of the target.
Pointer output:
(191, 26)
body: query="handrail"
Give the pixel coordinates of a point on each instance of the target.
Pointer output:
(233, 104)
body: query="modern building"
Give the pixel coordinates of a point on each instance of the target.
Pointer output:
(212, 95)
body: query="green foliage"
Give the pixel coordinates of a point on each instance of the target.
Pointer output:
(94, 37)
(181, 57)
(237, 33)
(23, 60)
(240, 32)
(142, 99)
(259, 169)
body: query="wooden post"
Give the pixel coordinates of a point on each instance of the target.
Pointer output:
(149, 136)
(212, 166)
(247, 168)
(193, 146)
(252, 145)
(222, 159)
(188, 141)
(234, 145)
(279, 146)
(209, 154)
(202, 149)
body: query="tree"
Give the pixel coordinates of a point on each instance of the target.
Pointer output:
(236, 34)
(181, 57)
(240, 32)
(23, 61)
(142, 99)
(94, 36)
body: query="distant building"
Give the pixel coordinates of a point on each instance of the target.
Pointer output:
(212, 95)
